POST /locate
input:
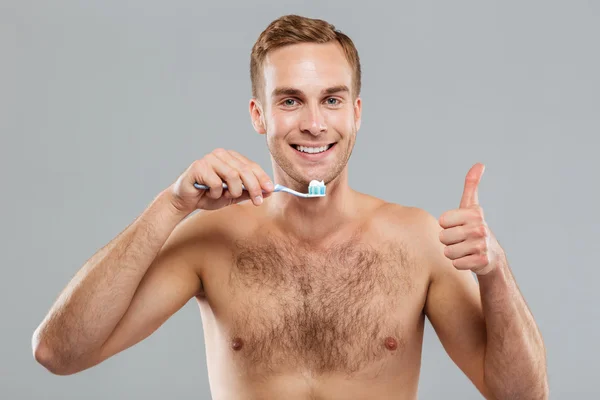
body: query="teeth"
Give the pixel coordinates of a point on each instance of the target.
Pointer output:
(312, 150)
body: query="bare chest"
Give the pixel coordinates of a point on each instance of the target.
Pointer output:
(336, 310)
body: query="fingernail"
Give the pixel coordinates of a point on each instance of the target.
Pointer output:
(258, 200)
(270, 185)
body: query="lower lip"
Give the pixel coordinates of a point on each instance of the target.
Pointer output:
(314, 156)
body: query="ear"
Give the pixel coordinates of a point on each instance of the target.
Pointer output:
(357, 112)
(257, 116)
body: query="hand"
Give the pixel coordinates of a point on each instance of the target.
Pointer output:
(212, 170)
(469, 242)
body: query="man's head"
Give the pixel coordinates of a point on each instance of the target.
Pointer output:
(306, 82)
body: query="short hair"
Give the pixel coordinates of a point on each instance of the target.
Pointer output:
(294, 29)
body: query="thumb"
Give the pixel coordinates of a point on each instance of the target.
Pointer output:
(472, 180)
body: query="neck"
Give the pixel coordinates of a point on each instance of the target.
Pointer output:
(311, 219)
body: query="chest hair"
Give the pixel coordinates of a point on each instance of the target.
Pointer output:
(327, 310)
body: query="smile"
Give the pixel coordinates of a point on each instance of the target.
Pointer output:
(312, 150)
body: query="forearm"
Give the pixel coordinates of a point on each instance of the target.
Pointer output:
(515, 360)
(89, 308)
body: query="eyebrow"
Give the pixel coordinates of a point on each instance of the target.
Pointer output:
(290, 91)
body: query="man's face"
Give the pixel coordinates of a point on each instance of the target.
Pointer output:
(307, 101)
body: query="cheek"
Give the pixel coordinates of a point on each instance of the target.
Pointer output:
(279, 123)
(342, 121)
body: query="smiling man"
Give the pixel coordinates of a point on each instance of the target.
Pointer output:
(319, 298)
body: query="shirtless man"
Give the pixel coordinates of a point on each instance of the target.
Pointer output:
(319, 298)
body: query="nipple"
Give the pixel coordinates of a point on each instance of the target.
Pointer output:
(391, 343)
(237, 343)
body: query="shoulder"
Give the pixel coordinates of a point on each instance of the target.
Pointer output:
(217, 226)
(205, 239)
(417, 229)
(204, 236)
(409, 219)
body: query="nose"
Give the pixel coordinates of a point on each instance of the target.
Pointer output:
(313, 121)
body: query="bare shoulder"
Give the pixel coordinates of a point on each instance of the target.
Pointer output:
(414, 220)
(422, 231)
(217, 224)
(417, 228)
(210, 235)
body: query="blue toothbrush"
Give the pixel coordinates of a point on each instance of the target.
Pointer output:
(313, 190)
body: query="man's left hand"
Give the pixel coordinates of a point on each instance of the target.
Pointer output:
(470, 244)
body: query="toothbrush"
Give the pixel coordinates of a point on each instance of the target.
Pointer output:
(315, 189)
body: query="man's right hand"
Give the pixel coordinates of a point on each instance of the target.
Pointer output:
(213, 170)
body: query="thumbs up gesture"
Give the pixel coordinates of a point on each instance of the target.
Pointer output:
(469, 242)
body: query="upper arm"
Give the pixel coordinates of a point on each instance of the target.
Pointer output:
(169, 283)
(453, 307)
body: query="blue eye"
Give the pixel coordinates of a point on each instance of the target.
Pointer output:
(334, 99)
(287, 102)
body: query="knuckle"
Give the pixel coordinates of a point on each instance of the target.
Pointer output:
(251, 184)
(484, 231)
(214, 182)
(480, 231)
(245, 169)
(481, 246)
(253, 189)
(199, 164)
(219, 151)
(232, 174)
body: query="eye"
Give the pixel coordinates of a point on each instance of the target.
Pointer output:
(289, 102)
(335, 101)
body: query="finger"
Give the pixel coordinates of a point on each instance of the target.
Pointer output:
(204, 173)
(459, 250)
(227, 172)
(456, 217)
(263, 178)
(453, 235)
(472, 262)
(243, 197)
(244, 194)
(249, 180)
(470, 196)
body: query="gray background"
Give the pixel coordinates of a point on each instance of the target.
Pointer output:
(104, 104)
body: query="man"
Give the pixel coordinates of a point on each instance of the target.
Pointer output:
(304, 298)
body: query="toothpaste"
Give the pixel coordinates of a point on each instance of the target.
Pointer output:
(316, 187)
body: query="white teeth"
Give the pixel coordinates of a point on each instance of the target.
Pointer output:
(312, 150)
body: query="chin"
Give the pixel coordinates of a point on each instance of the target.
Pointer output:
(327, 171)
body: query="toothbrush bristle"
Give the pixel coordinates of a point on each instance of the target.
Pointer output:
(316, 191)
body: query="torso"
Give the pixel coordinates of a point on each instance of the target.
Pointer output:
(283, 319)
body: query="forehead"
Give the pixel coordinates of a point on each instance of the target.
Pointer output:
(307, 66)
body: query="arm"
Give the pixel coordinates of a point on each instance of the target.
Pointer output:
(453, 306)
(122, 294)
(487, 329)
(515, 360)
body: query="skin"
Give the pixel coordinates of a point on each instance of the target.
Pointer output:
(319, 298)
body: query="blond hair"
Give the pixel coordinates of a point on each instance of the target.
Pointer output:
(293, 29)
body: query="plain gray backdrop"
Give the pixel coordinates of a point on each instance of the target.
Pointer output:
(103, 104)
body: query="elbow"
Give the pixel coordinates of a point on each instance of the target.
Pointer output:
(44, 356)
(534, 389)
(55, 362)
